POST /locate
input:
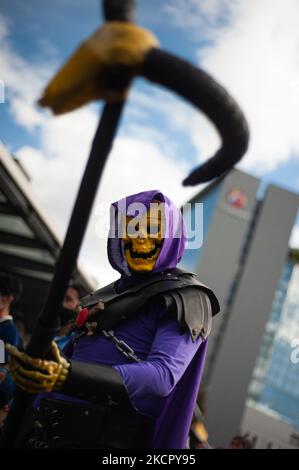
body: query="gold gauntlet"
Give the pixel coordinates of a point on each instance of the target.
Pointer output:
(85, 76)
(37, 375)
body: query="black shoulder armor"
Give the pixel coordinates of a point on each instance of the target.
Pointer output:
(181, 291)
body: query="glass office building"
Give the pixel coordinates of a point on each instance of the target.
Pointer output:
(275, 381)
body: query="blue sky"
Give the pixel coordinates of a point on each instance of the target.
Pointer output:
(40, 33)
(249, 47)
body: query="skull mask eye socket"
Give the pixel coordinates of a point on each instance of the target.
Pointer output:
(143, 240)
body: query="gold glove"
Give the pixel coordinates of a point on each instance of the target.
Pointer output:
(85, 76)
(37, 375)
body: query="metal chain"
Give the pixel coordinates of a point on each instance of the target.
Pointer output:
(123, 347)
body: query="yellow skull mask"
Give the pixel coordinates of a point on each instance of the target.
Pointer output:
(143, 241)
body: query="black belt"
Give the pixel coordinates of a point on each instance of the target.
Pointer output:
(63, 425)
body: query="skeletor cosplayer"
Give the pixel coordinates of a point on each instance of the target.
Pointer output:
(129, 378)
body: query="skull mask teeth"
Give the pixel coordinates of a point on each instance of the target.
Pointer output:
(143, 246)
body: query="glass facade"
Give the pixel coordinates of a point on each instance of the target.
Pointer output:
(275, 381)
(191, 258)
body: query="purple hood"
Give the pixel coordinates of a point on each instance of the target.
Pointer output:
(175, 232)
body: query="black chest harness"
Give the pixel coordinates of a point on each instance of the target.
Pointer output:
(182, 294)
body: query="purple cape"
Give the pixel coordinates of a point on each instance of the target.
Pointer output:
(173, 425)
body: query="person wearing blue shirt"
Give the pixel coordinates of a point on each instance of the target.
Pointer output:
(10, 291)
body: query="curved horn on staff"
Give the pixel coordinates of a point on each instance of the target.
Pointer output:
(208, 96)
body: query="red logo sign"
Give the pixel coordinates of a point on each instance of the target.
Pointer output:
(237, 199)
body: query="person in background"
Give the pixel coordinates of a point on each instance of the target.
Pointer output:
(10, 292)
(68, 313)
(22, 327)
(241, 442)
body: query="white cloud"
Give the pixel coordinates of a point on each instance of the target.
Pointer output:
(202, 17)
(181, 118)
(253, 52)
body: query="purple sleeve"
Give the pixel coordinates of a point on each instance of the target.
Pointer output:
(171, 353)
